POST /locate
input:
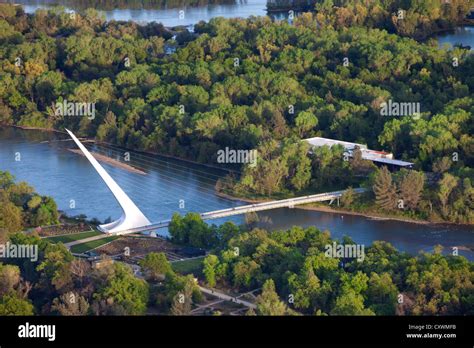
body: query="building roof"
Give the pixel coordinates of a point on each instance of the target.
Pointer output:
(391, 161)
(367, 154)
(318, 141)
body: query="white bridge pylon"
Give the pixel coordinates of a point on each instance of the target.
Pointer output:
(132, 217)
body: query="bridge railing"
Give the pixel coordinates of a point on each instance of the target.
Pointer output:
(289, 202)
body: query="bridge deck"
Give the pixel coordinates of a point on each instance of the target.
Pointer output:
(284, 203)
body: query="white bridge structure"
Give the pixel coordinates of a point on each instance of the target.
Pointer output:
(132, 217)
(134, 221)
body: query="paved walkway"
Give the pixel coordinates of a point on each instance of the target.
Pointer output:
(226, 297)
(85, 240)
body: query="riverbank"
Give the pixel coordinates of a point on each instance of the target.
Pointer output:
(102, 158)
(168, 156)
(33, 128)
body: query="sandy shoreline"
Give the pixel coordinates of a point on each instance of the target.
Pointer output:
(111, 161)
(171, 157)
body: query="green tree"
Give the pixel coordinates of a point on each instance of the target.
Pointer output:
(177, 230)
(305, 121)
(156, 266)
(350, 303)
(299, 164)
(6, 180)
(385, 189)
(12, 305)
(245, 272)
(268, 302)
(359, 165)
(347, 198)
(53, 269)
(381, 294)
(268, 175)
(445, 187)
(306, 288)
(411, 187)
(10, 219)
(34, 202)
(210, 264)
(192, 230)
(124, 290)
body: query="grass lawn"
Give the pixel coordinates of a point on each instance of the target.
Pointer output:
(73, 237)
(81, 248)
(193, 266)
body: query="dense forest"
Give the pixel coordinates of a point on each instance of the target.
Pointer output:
(296, 276)
(414, 18)
(239, 83)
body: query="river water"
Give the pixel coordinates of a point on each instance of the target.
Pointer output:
(46, 163)
(461, 35)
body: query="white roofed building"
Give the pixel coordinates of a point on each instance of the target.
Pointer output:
(367, 154)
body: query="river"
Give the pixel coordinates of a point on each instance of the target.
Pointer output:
(47, 164)
(461, 35)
